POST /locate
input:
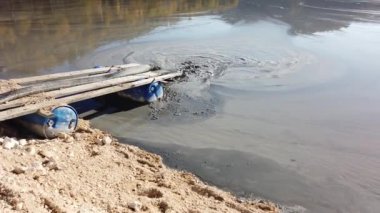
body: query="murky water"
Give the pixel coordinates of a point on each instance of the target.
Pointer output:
(283, 102)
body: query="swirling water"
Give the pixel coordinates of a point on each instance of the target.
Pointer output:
(281, 101)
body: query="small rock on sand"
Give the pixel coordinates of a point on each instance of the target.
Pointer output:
(69, 140)
(78, 136)
(52, 165)
(23, 142)
(63, 135)
(32, 141)
(98, 141)
(37, 166)
(107, 140)
(19, 206)
(31, 150)
(19, 170)
(10, 143)
(135, 206)
(46, 154)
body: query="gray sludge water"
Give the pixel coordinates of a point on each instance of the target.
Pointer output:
(280, 98)
(268, 108)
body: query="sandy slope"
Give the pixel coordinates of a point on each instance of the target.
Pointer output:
(87, 172)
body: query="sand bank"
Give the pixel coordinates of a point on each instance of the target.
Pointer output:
(90, 171)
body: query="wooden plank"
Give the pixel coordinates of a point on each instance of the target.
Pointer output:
(17, 112)
(64, 83)
(65, 75)
(103, 84)
(87, 87)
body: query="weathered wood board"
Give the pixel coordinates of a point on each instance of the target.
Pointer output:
(130, 76)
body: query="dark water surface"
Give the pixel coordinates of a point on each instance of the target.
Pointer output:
(284, 103)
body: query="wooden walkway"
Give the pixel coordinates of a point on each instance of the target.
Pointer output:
(32, 94)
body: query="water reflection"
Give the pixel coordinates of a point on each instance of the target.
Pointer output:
(307, 16)
(315, 120)
(36, 35)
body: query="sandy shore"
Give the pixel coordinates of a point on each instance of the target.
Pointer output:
(90, 171)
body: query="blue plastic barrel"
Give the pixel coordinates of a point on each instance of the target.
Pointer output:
(146, 93)
(63, 119)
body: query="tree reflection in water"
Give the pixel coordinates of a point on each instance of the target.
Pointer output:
(36, 35)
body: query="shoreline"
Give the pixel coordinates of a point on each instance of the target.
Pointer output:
(90, 171)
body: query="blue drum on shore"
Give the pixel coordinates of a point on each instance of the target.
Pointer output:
(62, 119)
(146, 93)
